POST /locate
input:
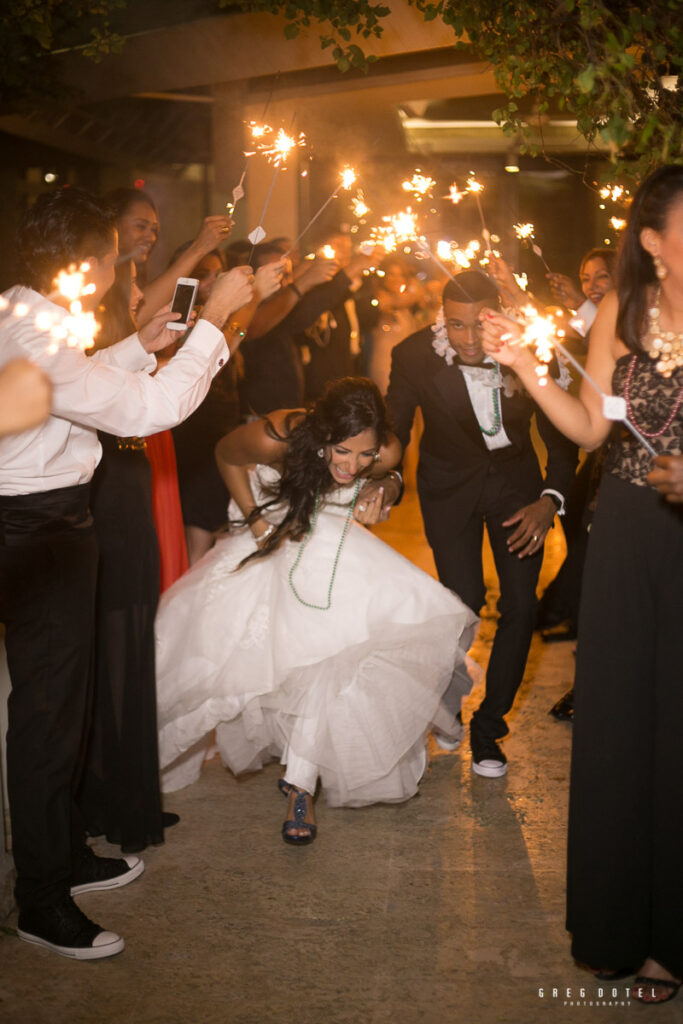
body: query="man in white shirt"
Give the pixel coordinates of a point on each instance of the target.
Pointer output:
(478, 466)
(48, 551)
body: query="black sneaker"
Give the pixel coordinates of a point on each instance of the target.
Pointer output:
(66, 930)
(564, 707)
(91, 873)
(489, 760)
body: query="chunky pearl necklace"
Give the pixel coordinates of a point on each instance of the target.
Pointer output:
(304, 542)
(664, 346)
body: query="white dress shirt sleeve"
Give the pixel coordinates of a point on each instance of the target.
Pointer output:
(129, 354)
(107, 397)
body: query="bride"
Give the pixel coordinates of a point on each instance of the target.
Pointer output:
(302, 636)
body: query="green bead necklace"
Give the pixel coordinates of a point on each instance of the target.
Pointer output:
(304, 542)
(496, 414)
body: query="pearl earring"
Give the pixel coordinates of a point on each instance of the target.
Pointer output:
(320, 453)
(660, 269)
(376, 456)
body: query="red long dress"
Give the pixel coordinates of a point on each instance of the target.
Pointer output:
(168, 516)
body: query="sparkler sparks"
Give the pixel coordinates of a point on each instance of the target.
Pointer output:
(348, 177)
(455, 195)
(420, 185)
(281, 146)
(524, 231)
(359, 207)
(618, 223)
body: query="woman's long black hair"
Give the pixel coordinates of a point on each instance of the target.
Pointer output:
(650, 209)
(346, 408)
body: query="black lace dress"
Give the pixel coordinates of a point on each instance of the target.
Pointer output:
(625, 883)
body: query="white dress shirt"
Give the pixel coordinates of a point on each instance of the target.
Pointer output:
(482, 384)
(112, 390)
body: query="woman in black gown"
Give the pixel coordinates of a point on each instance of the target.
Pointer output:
(625, 884)
(120, 795)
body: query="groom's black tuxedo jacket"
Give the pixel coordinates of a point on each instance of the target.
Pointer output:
(454, 462)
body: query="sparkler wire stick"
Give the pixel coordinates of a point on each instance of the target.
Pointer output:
(587, 377)
(313, 219)
(258, 230)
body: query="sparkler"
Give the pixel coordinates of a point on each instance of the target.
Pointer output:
(541, 333)
(277, 153)
(420, 186)
(455, 195)
(257, 131)
(525, 233)
(347, 179)
(359, 207)
(618, 223)
(78, 328)
(474, 187)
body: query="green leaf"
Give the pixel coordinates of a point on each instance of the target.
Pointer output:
(586, 79)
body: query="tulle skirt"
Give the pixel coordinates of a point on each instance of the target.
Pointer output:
(352, 690)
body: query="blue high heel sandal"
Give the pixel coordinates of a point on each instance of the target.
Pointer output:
(300, 808)
(283, 786)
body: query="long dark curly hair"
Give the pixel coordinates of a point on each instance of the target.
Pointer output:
(346, 408)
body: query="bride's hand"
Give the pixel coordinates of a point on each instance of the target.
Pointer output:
(370, 505)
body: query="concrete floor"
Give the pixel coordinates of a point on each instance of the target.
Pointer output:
(449, 908)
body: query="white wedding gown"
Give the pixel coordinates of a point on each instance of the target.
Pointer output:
(352, 690)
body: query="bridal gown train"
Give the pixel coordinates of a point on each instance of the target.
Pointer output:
(352, 690)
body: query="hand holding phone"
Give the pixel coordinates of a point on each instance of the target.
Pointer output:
(183, 302)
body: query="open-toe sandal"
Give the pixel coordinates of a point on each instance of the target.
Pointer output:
(298, 822)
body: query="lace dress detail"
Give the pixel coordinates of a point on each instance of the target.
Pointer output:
(652, 399)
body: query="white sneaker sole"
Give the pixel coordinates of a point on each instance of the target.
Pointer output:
(136, 866)
(108, 944)
(445, 742)
(490, 769)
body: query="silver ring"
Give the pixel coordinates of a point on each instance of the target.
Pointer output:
(362, 508)
(535, 538)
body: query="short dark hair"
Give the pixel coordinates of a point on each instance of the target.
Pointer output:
(121, 199)
(471, 286)
(60, 229)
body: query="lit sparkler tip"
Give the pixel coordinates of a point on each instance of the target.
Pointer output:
(455, 195)
(524, 230)
(328, 253)
(474, 186)
(358, 205)
(348, 177)
(618, 223)
(420, 185)
(281, 146)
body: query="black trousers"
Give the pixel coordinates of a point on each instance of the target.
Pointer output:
(48, 568)
(460, 568)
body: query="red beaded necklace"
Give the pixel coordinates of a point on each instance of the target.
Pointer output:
(627, 395)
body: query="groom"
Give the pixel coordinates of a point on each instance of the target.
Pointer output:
(478, 466)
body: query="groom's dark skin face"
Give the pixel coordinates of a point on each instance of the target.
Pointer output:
(464, 330)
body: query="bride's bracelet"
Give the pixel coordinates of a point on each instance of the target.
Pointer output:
(395, 473)
(266, 533)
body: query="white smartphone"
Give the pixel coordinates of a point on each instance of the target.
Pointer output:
(183, 302)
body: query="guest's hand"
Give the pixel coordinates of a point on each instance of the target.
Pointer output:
(501, 272)
(213, 231)
(315, 272)
(500, 337)
(268, 278)
(532, 522)
(230, 292)
(667, 478)
(565, 291)
(155, 335)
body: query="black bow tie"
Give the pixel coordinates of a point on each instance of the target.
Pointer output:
(486, 365)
